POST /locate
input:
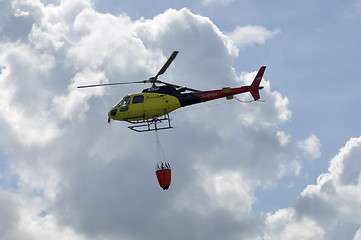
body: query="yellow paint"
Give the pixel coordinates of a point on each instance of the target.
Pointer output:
(228, 90)
(154, 105)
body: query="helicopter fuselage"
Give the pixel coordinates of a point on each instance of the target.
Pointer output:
(159, 101)
(153, 103)
(144, 109)
(143, 106)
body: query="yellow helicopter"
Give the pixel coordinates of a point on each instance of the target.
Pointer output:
(146, 110)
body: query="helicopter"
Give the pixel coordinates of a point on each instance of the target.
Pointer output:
(148, 110)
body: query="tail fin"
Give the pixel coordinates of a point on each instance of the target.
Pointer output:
(255, 84)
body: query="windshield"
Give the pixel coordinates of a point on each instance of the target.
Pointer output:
(124, 102)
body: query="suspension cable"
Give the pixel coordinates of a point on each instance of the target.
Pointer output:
(239, 100)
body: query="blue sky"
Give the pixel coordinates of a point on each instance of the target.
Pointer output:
(286, 168)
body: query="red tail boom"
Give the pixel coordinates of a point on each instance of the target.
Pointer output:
(226, 92)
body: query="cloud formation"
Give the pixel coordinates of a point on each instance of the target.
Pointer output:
(80, 178)
(244, 36)
(311, 146)
(328, 209)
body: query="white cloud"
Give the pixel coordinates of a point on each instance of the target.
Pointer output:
(285, 225)
(244, 36)
(311, 146)
(275, 109)
(304, 229)
(25, 218)
(283, 138)
(74, 104)
(85, 179)
(357, 235)
(229, 190)
(24, 97)
(329, 209)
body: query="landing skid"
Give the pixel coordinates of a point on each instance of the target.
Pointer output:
(153, 124)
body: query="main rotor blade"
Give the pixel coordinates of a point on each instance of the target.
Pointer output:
(166, 65)
(111, 84)
(192, 90)
(178, 86)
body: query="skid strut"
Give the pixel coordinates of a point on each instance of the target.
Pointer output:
(153, 124)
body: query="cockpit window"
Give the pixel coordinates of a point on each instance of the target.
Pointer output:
(124, 102)
(138, 99)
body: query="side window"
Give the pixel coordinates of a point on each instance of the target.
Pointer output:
(123, 109)
(138, 99)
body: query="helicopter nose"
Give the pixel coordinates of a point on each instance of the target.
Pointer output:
(113, 112)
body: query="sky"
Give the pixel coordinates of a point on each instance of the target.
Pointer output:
(286, 167)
